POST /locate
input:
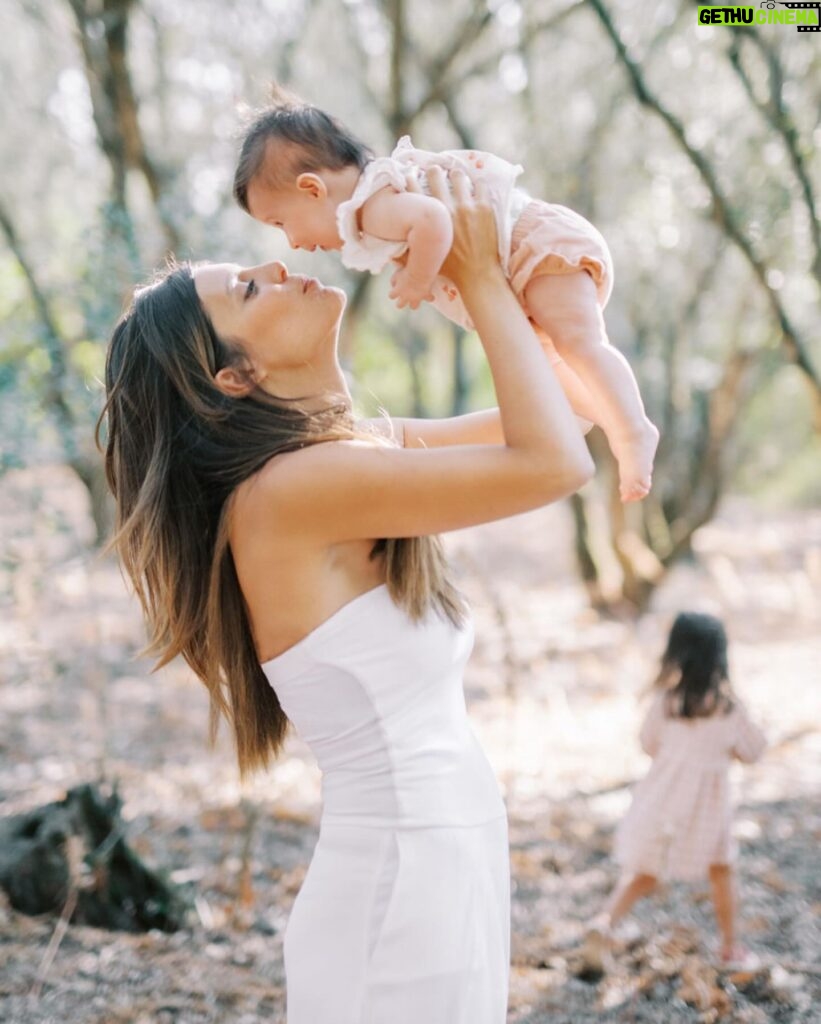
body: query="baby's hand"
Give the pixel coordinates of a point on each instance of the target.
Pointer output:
(408, 291)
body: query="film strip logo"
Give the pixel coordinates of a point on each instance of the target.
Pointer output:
(816, 6)
(804, 14)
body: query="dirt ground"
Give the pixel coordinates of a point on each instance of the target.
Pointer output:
(554, 692)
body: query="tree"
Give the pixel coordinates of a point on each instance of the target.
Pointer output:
(695, 458)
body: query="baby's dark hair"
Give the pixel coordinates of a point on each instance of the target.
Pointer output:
(694, 667)
(289, 137)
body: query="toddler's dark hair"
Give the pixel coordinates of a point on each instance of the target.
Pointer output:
(310, 140)
(697, 654)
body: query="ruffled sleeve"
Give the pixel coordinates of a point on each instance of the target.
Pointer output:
(361, 251)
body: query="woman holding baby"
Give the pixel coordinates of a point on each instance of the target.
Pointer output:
(288, 552)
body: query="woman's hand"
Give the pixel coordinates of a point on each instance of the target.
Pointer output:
(475, 251)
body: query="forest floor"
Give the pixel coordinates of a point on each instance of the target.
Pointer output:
(554, 691)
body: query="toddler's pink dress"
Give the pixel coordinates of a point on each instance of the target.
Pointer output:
(534, 237)
(680, 818)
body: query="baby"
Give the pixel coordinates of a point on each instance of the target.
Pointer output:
(302, 171)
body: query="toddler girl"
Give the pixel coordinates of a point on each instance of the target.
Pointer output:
(679, 823)
(302, 171)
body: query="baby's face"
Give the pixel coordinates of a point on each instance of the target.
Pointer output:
(307, 218)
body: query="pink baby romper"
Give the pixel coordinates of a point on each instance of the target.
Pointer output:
(679, 822)
(534, 237)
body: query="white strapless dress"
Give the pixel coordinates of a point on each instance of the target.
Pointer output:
(404, 915)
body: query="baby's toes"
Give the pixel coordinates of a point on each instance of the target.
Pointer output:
(634, 490)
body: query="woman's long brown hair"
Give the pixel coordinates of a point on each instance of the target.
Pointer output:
(176, 450)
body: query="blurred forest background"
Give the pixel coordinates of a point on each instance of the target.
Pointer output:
(693, 148)
(695, 151)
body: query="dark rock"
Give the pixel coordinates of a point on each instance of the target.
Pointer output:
(115, 889)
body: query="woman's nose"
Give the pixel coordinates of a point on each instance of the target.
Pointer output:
(275, 272)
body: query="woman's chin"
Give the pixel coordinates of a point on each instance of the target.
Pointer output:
(338, 294)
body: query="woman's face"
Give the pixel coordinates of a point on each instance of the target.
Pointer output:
(283, 322)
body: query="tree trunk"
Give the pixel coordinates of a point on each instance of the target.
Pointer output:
(647, 538)
(91, 472)
(115, 110)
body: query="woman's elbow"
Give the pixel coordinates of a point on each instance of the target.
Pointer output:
(561, 480)
(579, 470)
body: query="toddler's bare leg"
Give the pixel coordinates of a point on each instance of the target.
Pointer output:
(597, 941)
(565, 307)
(628, 892)
(722, 888)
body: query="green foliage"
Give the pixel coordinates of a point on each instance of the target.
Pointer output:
(381, 375)
(88, 360)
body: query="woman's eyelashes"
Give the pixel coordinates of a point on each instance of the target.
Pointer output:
(250, 289)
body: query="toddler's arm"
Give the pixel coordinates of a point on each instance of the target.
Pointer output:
(425, 224)
(750, 742)
(650, 733)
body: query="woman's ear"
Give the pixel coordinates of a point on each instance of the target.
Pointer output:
(234, 382)
(311, 184)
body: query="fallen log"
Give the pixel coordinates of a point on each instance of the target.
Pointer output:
(77, 845)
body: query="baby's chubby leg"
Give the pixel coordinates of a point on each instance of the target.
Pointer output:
(565, 306)
(581, 401)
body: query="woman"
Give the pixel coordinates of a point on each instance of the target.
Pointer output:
(253, 514)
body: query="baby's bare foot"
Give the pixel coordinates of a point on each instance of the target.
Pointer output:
(635, 453)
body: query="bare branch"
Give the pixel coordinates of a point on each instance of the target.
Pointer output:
(397, 116)
(436, 69)
(491, 61)
(723, 212)
(780, 120)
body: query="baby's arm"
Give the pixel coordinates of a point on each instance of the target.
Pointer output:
(425, 224)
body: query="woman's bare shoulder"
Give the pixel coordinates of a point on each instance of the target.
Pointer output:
(267, 491)
(264, 540)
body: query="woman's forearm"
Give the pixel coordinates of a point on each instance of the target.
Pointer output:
(542, 439)
(534, 412)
